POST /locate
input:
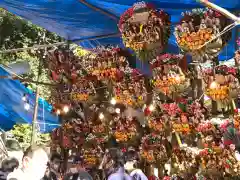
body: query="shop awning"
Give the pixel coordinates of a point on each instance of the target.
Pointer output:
(87, 19)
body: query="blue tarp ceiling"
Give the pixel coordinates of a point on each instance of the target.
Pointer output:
(74, 20)
(12, 109)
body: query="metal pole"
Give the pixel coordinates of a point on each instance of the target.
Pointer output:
(34, 121)
(35, 114)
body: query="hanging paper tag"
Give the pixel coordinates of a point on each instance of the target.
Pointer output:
(178, 139)
(141, 28)
(139, 5)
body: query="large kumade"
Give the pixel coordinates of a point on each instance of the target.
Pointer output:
(197, 29)
(145, 30)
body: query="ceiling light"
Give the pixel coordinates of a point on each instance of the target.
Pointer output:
(117, 110)
(65, 109)
(151, 107)
(27, 106)
(58, 112)
(101, 116)
(113, 101)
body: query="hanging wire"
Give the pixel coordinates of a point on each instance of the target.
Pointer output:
(60, 43)
(50, 124)
(35, 47)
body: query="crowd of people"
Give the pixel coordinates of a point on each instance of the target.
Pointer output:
(36, 165)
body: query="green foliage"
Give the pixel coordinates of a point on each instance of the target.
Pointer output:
(23, 132)
(18, 33)
(33, 74)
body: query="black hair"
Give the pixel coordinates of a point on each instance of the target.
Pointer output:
(115, 160)
(76, 176)
(8, 165)
(56, 156)
(117, 156)
(132, 155)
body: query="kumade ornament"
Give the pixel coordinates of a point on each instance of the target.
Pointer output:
(145, 30)
(125, 129)
(221, 84)
(196, 31)
(168, 77)
(153, 149)
(91, 157)
(131, 91)
(108, 64)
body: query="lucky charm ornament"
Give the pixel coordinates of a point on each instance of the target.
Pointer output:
(145, 30)
(125, 129)
(168, 77)
(109, 63)
(131, 91)
(153, 149)
(222, 84)
(196, 31)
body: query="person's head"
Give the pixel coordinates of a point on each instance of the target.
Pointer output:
(8, 165)
(132, 158)
(113, 159)
(35, 161)
(14, 149)
(55, 161)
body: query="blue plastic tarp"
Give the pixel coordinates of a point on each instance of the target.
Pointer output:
(73, 20)
(12, 109)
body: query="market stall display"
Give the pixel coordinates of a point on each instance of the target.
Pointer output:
(175, 124)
